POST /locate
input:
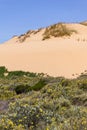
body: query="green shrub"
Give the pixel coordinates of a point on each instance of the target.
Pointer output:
(21, 89)
(66, 82)
(7, 124)
(25, 114)
(2, 71)
(5, 93)
(38, 85)
(82, 84)
(26, 88)
(13, 74)
(16, 73)
(80, 100)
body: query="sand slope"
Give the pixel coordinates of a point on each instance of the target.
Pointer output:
(56, 56)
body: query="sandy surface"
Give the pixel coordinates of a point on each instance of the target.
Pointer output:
(56, 56)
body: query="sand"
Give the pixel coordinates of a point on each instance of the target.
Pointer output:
(56, 56)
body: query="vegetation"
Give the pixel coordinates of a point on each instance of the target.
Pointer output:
(3, 70)
(57, 30)
(30, 101)
(23, 37)
(84, 23)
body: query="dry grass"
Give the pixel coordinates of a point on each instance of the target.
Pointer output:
(57, 30)
(84, 23)
(23, 37)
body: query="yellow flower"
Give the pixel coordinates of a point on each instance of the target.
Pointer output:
(6, 127)
(41, 110)
(2, 120)
(10, 123)
(20, 120)
(84, 122)
(25, 117)
(53, 119)
(37, 115)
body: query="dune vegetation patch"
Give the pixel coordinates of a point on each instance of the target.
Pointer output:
(57, 30)
(22, 38)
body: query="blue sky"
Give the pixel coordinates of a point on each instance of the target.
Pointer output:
(19, 16)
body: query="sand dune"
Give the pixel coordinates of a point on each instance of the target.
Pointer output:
(56, 56)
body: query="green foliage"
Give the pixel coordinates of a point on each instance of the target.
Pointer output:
(6, 94)
(25, 114)
(3, 70)
(42, 102)
(7, 124)
(26, 88)
(38, 86)
(66, 82)
(20, 73)
(80, 100)
(83, 84)
(16, 73)
(21, 89)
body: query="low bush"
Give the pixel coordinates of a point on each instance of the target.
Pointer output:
(38, 85)
(26, 88)
(21, 89)
(3, 70)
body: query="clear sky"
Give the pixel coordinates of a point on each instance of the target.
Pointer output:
(19, 16)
